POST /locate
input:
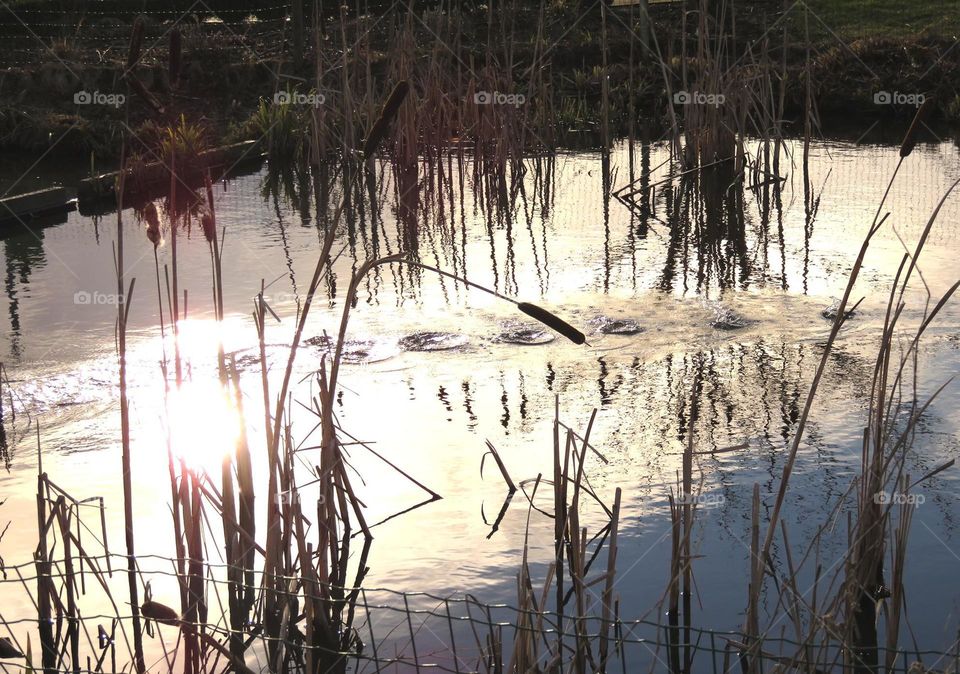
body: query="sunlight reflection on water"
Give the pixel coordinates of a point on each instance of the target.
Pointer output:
(429, 377)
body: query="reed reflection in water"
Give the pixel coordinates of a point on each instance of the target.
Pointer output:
(549, 229)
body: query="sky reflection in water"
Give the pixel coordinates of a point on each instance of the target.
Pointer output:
(671, 260)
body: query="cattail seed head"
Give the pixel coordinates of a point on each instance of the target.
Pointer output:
(552, 321)
(208, 184)
(387, 115)
(8, 650)
(209, 218)
(151, 216)
(153, 224)
(209, 226)
(919, 119)
(160, 612)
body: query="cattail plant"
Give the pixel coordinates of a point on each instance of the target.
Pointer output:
(152, 218)
(8, 651)
(872, 527)
(387, 114)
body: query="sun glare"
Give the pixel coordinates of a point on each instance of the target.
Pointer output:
(204, 423)
(201, 414)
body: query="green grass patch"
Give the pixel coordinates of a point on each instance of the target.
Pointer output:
(853, 19)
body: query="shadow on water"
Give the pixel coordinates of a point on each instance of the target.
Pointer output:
(720, 234)
(428, 213)
(497, 220)
(23, 251)
(633, 248)
(708, 218)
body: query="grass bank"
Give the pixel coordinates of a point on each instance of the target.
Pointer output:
(593, 66)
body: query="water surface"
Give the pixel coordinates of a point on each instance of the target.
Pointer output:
(701, 317)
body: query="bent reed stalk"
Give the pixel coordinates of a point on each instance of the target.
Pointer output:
(304, 586)
(301, 613)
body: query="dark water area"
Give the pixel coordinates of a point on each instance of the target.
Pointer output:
(706, 312)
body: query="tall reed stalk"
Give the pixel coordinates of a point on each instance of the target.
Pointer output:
(125, 294)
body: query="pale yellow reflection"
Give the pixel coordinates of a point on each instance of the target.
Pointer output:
(202, 416)
(204, 423)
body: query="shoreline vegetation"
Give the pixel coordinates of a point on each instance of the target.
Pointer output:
(290, 593)
(582, 75)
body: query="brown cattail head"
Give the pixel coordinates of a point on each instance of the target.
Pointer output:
(174, 55)
(160, 612)
(8, 650)
(209, 226)
(209, 218)
(151, 216)
(153, 223)
(919, 119)
(552, 321)
(208, 184)
(136, 43)
(387, 115)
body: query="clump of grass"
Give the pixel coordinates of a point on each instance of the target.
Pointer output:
(283, 126)
(159, 146)
(187, 140)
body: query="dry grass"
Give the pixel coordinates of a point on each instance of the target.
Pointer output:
(293, 595)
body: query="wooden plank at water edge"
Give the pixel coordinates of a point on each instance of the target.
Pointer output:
(26, 206)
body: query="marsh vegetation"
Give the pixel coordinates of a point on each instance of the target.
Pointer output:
(697, 386)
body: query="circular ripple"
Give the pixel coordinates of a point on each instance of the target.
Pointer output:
(830, 313)
(525, 335)
(367, 351)
(432, 341)
(618, 326)
(356, 351)
(725, 318)
(319, 341)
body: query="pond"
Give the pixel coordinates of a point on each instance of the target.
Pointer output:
(702, 315)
